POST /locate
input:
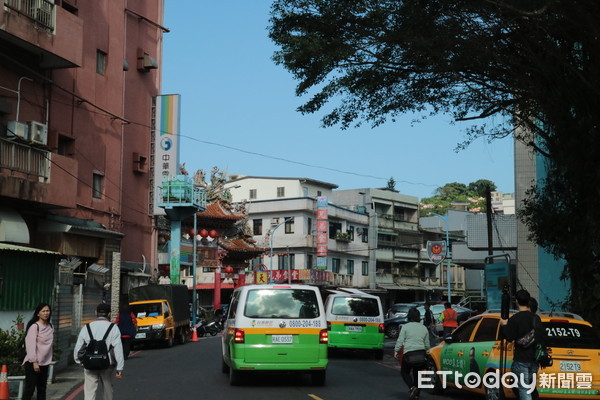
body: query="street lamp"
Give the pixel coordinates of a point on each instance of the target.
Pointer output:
(271, 232)
(445, 219)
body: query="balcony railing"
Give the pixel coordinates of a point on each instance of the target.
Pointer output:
(23, 158)
(40, 11)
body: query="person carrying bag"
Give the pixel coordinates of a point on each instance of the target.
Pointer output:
(414, 342)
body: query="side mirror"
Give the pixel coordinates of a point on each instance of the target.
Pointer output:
(448, 339)
(167, 314)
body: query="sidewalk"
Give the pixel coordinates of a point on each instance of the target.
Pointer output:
(65, 382)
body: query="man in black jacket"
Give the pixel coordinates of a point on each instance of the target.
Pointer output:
(520, 328)
(429, 322)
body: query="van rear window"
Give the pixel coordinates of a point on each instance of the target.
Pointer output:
(355, 307)
(281, 303)
(569, 335)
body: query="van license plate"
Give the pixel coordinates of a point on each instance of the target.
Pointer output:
(282, 339)
(570, 366)
(353, 328)
(140, 335)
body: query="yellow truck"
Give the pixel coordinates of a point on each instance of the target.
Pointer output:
(162, 313)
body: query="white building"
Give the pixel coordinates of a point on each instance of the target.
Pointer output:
(282, 217)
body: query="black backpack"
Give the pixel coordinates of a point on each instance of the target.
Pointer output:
(95, 356)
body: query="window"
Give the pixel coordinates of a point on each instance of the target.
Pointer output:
(97, 185)
(487, 330)
(252, 194)
(350, 232)
(257, 226)
(305, 191)
(365, 268)
(355, 307)
(334, 228)
(309, 223)
(309, 261)
(365, 235)
(285, 260)
(289, 225)
(281, 303)
(350, 267)
(281, 191)
(100, 62)
(66, 145)
(335, 265)
(319, 194)
(462, 334)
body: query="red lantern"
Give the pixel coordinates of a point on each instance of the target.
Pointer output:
(212, 233)
(229, 269)
(191, 232)
(204, 233)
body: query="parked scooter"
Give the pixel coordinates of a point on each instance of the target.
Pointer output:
(207, 328)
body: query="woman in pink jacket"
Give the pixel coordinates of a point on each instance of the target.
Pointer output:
(38, 343)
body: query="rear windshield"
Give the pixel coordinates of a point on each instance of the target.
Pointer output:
(355, 307)
(281, 303)
(146, 310)
(574, 336)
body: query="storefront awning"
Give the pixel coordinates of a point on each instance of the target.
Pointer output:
(12, 227)
(400, 287)
(13, 247)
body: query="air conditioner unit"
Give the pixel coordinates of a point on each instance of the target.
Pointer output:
(17, 129)
(274, 221)
(38, 132)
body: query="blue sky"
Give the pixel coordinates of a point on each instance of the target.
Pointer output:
(238, 113)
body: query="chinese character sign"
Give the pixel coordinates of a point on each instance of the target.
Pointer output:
(166, 137)
(322, 226)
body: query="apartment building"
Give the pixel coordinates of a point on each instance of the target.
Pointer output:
(77, 83)
(282, 216)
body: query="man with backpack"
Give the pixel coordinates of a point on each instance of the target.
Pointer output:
(525, 329)
(100, 351)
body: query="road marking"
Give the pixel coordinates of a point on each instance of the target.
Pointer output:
(314, 396)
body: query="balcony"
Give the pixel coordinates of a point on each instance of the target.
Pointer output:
(25, 159)
(39, 11)
(41, 33)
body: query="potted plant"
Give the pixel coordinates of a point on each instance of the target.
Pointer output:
(10, 340)
(342, 237)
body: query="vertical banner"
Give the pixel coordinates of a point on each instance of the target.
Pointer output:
(322, 227)
(166, 140)
(496, 276)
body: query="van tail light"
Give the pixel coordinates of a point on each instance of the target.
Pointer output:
(323, 336)
(239, 336)
(328, 325)
(381, 328)
(560, 320)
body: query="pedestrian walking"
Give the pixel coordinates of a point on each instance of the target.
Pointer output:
(413, 341)
(127, 324)
(429, 322)
(449, 318)
(525, 329)
(38, 345)
(100, 379)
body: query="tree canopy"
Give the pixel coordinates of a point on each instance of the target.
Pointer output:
(473, 195)
(533, 64)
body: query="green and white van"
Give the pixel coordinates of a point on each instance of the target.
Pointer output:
(275, 328)
(355, 321)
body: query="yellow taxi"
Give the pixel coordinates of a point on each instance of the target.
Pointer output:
(470, 360)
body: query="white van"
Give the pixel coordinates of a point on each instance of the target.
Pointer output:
(275, 328)
(355, 321)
